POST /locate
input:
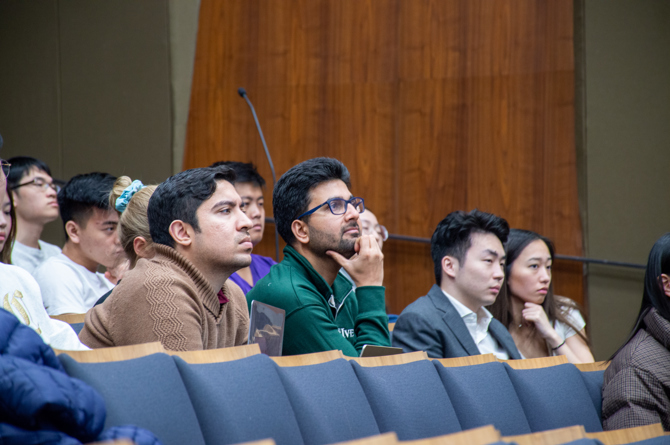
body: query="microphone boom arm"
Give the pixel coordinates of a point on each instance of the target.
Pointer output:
(243, 94)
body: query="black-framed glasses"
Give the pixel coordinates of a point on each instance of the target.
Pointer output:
(338, 206)
(41, 183)
(5, 166)
(378, 229)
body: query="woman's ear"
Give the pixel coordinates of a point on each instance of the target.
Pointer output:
(665, 282)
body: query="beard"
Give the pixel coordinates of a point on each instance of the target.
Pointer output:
(320, 242)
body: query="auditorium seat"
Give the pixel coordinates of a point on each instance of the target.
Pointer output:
(478, 436)
(484, 395)
(217, 355)
(388, 360)
(146, 391)
(629, 435)
(554, 397)
(329, 402)
(382, 439)
(115, 353)
(535, 363)
(465, 361)
(241, 400)
(70, 318)
(408, 398)
(308, 359)
(325, 398)
(556, 436)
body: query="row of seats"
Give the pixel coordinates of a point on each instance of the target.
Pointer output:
(236, 395)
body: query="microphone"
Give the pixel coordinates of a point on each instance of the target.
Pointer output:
(243, 94)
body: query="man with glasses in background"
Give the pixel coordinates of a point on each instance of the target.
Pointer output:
(35, 202)
(370, 226)
(317, 217)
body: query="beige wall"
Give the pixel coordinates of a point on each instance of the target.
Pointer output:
(626, 150)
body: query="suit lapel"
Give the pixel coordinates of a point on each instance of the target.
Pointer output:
(453, 320)
(504, 338)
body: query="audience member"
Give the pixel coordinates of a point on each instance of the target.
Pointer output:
(451, 321)
(131, 200)
(369, 226)
(7, 225)
(541, 323)
(249, 185)
(69, 281)
(19, 292)
(636, 390)
(200, 237)
(35, 202)
(317, 216)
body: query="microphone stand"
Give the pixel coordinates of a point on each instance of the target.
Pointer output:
(243, 94)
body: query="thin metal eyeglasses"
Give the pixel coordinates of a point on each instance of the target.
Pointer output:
(338, 206)
(378, 229)
(41, 183)
(5, 166)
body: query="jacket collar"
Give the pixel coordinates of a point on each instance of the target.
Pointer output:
(457, 326)
(658, 327)
(453, 320)
(340, 288)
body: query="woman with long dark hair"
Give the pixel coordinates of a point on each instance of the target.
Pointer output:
(7, 226)
(636, 390)
(541, 323)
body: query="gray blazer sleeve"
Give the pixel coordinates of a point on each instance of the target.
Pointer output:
(413, 332)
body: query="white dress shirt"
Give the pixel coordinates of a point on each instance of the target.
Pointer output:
(478, 326)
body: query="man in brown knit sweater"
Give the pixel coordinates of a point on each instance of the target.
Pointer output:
(181, 296)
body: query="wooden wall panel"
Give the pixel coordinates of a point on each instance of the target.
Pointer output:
(434, 106)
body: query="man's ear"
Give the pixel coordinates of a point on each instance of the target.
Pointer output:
(665, 281)
(73, 231)
(182, 233)
(450, 266)
(300, 231)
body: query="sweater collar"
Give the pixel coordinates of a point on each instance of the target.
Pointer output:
(209, 297)
(658, 327)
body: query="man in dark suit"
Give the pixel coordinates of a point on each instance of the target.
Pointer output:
(452, 321)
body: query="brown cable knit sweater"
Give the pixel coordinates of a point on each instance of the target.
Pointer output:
(167, 299)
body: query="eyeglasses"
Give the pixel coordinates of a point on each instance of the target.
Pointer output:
(378, 229)
(338, 206)
(41, 183)
(5, 166)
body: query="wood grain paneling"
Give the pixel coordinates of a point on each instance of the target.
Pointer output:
(433, 105)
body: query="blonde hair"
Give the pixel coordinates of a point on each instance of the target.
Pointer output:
(133, 222)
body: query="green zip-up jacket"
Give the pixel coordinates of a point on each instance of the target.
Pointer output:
(320, 317)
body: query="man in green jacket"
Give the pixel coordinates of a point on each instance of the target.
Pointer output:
(317, 217)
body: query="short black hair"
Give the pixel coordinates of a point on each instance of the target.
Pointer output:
(291, 195)
(453, 235)
(244, 172)
(81, 194)
(180, 196)
(21, 166)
